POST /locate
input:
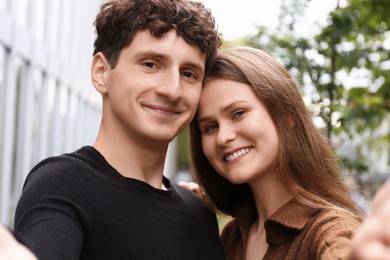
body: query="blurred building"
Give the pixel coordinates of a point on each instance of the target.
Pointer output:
(47, 102)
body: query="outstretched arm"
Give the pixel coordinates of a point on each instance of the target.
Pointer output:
(51, 215)
(12, 249)
(372, 241)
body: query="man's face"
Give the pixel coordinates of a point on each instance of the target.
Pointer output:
(153, 91)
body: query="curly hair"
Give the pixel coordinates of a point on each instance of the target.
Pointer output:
(118, 21)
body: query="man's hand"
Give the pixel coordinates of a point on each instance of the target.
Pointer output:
(372, 241)
(10, 249)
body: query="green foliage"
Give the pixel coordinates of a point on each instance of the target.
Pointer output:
(343, 70)
(364, 110)
(183, 150)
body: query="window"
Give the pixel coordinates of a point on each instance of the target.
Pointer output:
(60, 123)
(50, 113)
(22, 14)
(3, 4)
(53, 29)
(71, 131)
(2, 94)
(36, 122)
(39, 16)
(20, 87)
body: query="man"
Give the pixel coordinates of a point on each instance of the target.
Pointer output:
(110, 200)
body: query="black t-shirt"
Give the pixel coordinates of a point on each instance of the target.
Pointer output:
(76, 206)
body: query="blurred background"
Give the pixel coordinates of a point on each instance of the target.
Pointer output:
(338, 50)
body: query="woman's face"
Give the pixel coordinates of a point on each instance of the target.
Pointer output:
(239, 137)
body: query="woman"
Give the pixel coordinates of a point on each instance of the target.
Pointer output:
(260, 158)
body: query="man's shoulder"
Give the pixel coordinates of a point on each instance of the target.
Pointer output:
(187, 195)
(193, 201)
(67, 164)
(65, 176)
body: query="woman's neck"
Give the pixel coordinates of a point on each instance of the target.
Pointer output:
(269, 195)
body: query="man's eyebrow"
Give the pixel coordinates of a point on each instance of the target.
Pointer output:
(158, 55)
(196, 66)
(148, 53)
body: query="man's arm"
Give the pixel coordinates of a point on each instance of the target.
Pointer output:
(50, 215)
(372, 241)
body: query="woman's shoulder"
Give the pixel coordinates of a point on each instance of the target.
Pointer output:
(332, 231)
(335, 217)
(231, 231)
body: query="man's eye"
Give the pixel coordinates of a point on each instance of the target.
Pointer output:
(149, 64)
(189, 75)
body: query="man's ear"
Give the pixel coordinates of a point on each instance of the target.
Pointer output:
(100, 68)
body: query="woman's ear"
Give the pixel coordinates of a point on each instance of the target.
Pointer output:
(99, 72)
(291, 121)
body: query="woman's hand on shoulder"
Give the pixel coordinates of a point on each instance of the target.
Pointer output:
(192, 186)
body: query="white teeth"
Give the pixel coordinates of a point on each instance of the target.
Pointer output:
(237, 154)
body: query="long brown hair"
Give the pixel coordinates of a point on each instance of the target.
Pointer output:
(305, 165)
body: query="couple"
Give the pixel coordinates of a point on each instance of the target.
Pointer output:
(255, 151)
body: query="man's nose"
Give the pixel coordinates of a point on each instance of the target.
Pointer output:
(170, 86)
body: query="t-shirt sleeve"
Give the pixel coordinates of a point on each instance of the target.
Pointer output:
(50, 216)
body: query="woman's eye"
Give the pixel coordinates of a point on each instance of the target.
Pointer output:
(238, 114)
(210, 127)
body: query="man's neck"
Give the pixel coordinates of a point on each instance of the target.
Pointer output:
(132, 160)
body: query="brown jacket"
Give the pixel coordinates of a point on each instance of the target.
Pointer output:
(295, 231)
